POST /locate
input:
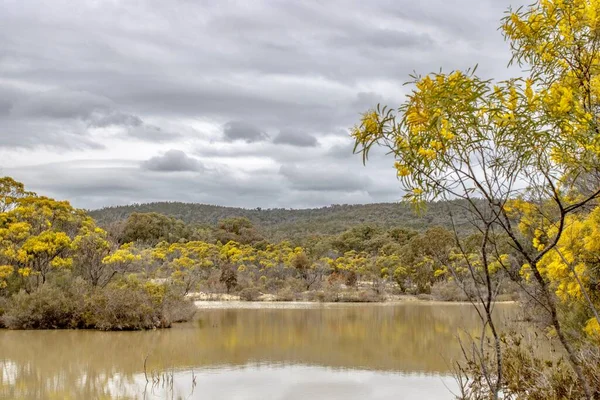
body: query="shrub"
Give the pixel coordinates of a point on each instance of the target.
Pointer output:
(448, 291)
(228, 277)
(249, 294)
(351, 279)
(47, 308)
(316, 296)
(122, 309)
(285, 294)
(76, 304)
(425, 297)
(361, 296)
(3, 307)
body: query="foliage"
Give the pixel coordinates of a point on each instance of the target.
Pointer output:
(77, 304)
(228, 276)
(524, 154)
(152, 228)
(298, 225)
(58, 270)
(250, 294)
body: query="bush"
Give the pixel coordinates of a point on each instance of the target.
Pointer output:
(286, 294)
(316, 296)
(47, 308)
(425, 297)
(123, 309)
(3, 307)
(351, 279)
(249, 294)
(178, 308)
(362, 296)
(448, 291)
(128, 306)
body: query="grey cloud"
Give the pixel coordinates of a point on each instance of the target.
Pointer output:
(343, 151)
(323, 179)
(60, 104)
(295, 138)
(152, 133)
(5, 107)
(94, 184)
(386, 39)
(34, 133)
(172, 161)
(261, 150)
(63, 117)
(97, 183)
(238, 130)
(115, 119)
(366, 100)
(268, 38)
(137, 74)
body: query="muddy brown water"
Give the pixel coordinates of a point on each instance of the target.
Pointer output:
(251, 351)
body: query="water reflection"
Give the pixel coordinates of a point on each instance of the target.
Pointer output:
(259, 382)
(386, 347)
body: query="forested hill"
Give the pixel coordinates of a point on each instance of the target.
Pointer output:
(282, 223)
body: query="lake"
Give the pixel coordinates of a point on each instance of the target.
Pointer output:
(251, 351)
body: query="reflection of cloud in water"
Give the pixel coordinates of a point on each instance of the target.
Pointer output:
(296, 382)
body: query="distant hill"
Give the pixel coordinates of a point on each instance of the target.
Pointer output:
(288, 223)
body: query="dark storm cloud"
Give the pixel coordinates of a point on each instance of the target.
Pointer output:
(295, 138)
(238, 130)
(220, 80)
(172, 161)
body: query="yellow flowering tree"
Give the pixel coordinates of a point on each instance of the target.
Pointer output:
(188, 263)
(537, 136)
(573, 268)
(36, 232)
(90, 247)
(120, 260)
(10, 192)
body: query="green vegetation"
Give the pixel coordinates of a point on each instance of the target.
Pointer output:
(60, 270)
(287, 224)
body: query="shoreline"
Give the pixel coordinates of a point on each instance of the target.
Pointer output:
(303, 304)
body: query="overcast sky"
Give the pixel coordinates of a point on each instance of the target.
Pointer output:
(237, 103)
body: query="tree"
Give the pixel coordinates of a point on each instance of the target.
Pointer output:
(424, 254)
(10, 192)
(237, 229)
(461, 136)
(573, 269)
(35, 232)
(228, 276)
(187, 263)
(120, 260)
(309, 272)
(42, 252)
(152, 228)
(90, 248)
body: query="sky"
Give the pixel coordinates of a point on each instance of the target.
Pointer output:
(234, 103)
